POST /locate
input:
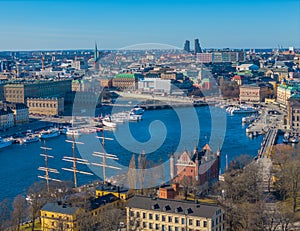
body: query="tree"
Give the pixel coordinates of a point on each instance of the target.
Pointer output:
(18, 213)
(4, 214)
(38, 197)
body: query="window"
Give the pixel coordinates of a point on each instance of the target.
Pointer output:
(170, 228)
(163, 218)
(204, 223)
(176, 220)
(182, 221)
(150, 216)
(170, 219)
(150, 225)
(144, 215)
(156, 217)
(197, 223)
(157, 226)
(212, 223)
(144, 225)
(176, 229)
(190, 221)
(137, 214)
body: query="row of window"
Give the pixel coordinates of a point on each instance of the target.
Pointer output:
(170, 219)
(47, 105)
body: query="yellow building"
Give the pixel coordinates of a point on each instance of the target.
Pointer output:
(254, 93)
(119, 192)
(65, 216)
(145, 213)
(46, 106)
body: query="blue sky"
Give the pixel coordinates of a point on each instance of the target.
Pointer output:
(67, 24)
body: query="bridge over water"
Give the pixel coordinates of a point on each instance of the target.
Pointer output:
(268, 143)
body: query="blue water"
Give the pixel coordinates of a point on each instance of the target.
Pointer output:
(157, 134)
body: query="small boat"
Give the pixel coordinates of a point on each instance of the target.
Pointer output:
(137, 111)
(108, 123)
(5, 142)
(50, 133)
(135, 117)
(63, 130)
(30, 138)
(73, 132)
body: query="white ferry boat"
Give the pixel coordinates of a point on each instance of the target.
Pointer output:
(50, 133)
(137, 111)
(5, 142)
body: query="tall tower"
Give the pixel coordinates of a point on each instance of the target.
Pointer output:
(96, 58)
(172, 165)
(187, 46)
(197, 47)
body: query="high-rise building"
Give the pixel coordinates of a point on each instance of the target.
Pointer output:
(197, 47)
(187, 46)
(96, 58)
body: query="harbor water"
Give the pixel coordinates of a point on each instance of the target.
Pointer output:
(160, 132)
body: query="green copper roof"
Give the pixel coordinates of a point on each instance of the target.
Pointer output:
(125, 76)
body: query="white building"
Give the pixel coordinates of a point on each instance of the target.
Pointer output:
(155, 85)
(247, 67)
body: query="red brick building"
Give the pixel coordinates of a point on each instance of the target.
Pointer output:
(199, 167)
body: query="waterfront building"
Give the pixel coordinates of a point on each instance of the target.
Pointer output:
(217, 57)
(126, 81)
(293, 112)
(200, 167)
(145, 213)
(197, 47)
(20, 110)
(155, 85)
(82, 98)
(65, 216)
(46, 106)
(6, 118)
(187, 47)
(204, 57)
(19, 92)
(284, 92)
(255, 92)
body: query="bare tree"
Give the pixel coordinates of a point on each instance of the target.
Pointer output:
(4, 214)
(18, 213)
(38, 197)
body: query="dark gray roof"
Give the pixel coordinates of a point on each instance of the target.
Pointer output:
(174, 206)
(60, 208)
(65, 208)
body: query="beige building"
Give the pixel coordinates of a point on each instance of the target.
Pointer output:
(145, 213)
(19, 92)
(171, 76)
(254, 93)
(293, 117)
(284, 92)
(46, 106)
(125, 81)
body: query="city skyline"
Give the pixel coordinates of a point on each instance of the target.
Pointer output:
(53, 25)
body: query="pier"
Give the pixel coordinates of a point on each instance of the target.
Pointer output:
(153, 105)
(268, 143)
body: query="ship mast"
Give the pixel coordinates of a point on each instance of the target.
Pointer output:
(105, 156)
(75, 161)
(46, 169)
